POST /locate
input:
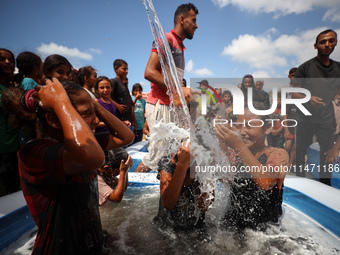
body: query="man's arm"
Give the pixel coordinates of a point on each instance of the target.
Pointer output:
(152, 71)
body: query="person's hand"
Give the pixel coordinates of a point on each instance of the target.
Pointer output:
(186, 92)
(183, 154)
(138, 96)
(332, 155)
(286, 134)
(50, 95)
(316, 101)
(125, 166)
(228, 135)
(121, 108)
(128, 123)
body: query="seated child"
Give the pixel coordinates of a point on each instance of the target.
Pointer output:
(180, 194)
(256, 195)
(117, 162)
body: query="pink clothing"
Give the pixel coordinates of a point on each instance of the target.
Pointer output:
(104, 190)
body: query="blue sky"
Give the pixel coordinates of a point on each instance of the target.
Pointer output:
(234, 37)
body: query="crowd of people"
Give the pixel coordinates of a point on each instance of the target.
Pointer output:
(58, 125)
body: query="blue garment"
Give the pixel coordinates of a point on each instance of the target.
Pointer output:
(27, 83)
(139, 112)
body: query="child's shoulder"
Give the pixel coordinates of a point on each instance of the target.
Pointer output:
(278, 155)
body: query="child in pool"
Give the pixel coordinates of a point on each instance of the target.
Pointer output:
(256, 194)
(58, 174)
(182, 205)
(21, 107)
(103, 89)
(57, 66)
(117, 162)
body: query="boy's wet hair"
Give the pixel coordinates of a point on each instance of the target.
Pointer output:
(118, 63)
(114, 157)
(72, 89)
(53, 61)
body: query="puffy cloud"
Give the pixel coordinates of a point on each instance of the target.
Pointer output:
(265, 53)
(281, 8)
(260, 75)
(189, 67)
(53, 48)
(98, 51)
(333, 15)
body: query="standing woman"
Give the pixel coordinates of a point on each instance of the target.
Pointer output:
(30, 70)
(9, 143)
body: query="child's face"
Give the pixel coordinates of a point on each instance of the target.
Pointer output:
(137, 91)
(259, 85)
(110, 171)
(122, 71)
(253, 137)
(7, 62)
(83, 103)
(92, 78)
(226, 98)
(219, 91)
(62, 73)
(104, 89)
(247, 82)
(17, 109)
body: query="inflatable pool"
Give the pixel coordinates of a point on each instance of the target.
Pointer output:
(318, 203)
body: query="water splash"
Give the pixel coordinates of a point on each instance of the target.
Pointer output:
(169, 70)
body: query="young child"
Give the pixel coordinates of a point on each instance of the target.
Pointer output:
(30, 70)
(139, 108)
(21, 108)
(58, 174)
(57, 66)
(227, 100)
(256, 194)
(121, 94)
(87, 77)
(103, 89)
(180, 194)
(117, 162)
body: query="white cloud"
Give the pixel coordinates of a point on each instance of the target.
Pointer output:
(189, 67)
(258, 52)
(98, 51)
(333, 15)
(54, 48)
(265, 53)
(281, 8)
(260, 75)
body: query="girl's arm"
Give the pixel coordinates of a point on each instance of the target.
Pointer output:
(82, 151)
(118, 193)
(120, 134)
(264, 180)
(171, 185)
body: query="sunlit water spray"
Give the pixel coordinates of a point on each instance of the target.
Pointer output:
(168, 137)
